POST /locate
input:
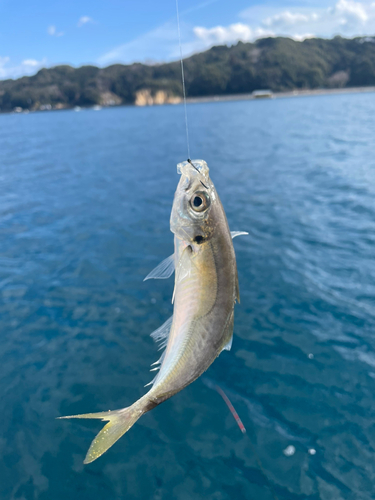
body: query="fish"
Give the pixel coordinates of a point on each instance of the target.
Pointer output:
(205, 292)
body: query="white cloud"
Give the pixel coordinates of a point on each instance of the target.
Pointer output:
(301, 38)
(288, 18)
(349, 12)
(84, 20)
(162, 42)
(51, 30)
(26, 67)
(346, 17)
(31, 63)
(230, 34)
(238, 32)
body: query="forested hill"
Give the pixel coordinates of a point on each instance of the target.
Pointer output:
(278, 64)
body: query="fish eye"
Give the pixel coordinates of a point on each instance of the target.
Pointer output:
(199, 201)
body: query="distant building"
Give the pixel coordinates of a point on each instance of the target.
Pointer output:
(262, 94)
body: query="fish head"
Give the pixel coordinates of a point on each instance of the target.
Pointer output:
(193, 207)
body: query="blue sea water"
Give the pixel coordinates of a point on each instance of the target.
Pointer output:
(85, 200)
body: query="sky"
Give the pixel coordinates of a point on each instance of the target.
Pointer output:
(44, 33)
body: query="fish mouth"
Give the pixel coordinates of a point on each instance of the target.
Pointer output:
(193, 167)
(192, 170)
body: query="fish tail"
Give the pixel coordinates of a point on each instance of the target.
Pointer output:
(119, 422)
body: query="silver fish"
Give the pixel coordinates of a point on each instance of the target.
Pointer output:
(206, 288)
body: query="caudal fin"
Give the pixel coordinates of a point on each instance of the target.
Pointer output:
(119, 422)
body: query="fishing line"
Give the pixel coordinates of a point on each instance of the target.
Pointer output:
(231, 408)
(183, 80)
(243, 430)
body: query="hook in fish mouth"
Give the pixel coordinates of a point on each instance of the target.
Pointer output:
(199, 165)
(191, 163)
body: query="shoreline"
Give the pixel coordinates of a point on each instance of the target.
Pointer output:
(215, 98)
(281, 95)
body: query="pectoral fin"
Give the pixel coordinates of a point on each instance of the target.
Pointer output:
(163, 271)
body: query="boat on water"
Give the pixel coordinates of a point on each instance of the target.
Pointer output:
(262, 94)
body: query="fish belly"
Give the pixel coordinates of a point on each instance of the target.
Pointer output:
(202, 324)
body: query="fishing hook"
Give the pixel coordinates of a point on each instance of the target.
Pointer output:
(192, 164)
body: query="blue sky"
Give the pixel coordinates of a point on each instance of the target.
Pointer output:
(41, 33)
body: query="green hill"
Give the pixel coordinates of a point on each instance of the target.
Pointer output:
(278, 64)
